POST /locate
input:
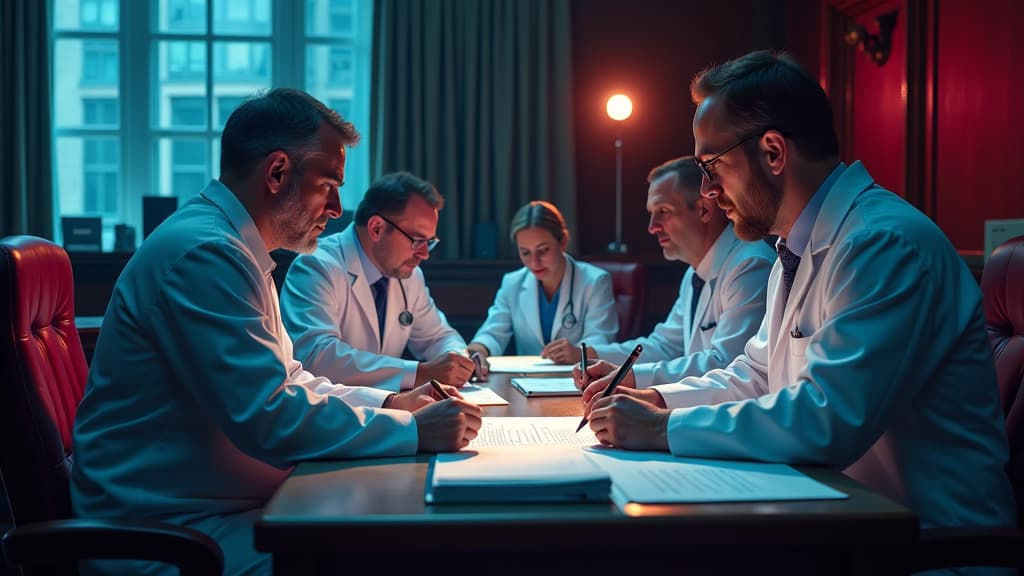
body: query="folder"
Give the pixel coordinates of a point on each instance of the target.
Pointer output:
(516, 474)
(531, 387)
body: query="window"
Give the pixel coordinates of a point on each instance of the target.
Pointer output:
(142, 89)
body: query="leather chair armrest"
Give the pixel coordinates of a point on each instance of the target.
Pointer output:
(193, 552)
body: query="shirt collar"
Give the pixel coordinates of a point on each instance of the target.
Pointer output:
(800, 234)
(222, 197)
(370, 271)
(707, 265)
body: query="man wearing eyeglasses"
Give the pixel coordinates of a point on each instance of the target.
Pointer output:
(873, 355)
(355, 304)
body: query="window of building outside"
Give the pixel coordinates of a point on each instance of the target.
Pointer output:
(142, 89)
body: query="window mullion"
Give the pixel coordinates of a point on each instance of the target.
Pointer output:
(135, 90)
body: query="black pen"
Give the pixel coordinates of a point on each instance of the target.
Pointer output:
(583, 362)
(437, 388)
(616, 379)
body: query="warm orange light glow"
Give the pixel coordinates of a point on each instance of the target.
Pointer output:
(619, 107)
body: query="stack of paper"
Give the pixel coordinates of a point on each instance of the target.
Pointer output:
(516, 474)
(526, 365)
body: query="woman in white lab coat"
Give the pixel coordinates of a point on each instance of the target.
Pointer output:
(553, 297)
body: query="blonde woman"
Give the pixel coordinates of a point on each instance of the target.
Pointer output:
(553, 302)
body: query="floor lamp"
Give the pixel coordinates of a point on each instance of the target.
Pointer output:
(619, 108)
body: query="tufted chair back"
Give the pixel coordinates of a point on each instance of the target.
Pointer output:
(1002, 288)
(44, 374)
(629, 284)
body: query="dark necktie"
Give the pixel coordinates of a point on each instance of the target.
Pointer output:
(698, 285)
(790, 262)
(380, 301)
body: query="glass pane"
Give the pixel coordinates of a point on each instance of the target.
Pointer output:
(181, 85)
(331, 18)
(85, 80)
(91, 15)
(182, 166)
(241, 17)
(330, 76)
(225, 105)
(240, 69)
(181, 16)
(90, 175)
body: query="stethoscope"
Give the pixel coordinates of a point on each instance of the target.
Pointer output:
(569, 318)
(405, 318)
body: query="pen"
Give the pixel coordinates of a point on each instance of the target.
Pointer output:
(583, 362)
(616, 379)
(439, 389)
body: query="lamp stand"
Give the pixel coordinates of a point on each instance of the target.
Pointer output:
(618, 247)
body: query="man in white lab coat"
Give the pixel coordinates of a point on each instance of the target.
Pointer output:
(195, 409)
(722, 295)
(355, 305)
(872, 356)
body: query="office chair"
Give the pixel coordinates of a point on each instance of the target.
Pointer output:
(629, 285)
(43, 380)
(1002, 289)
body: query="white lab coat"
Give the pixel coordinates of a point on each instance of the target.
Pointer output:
(329, 312)
(516, 311)
(195, 410)
(729, 312)
(891, 378)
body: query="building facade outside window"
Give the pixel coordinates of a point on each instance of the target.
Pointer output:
(142, 89)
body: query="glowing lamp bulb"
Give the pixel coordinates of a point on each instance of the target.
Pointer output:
(619, 107)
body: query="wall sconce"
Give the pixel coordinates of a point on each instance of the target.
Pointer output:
(877, 47)
(619, 108)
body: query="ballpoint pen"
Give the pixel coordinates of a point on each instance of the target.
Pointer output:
(583, 362)
(616, 379)
(437, 388)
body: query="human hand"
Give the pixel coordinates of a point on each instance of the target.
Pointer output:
(449, 368)
(560, 351)
(420, 396)
(478, 353)
(448, 425)
(595, 371)
(626, 421)
(605, 373)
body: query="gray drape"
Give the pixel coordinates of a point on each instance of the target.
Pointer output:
(26, 180)
(475, 96)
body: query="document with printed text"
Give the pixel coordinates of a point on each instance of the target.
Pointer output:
(660, 478)
(528, 431)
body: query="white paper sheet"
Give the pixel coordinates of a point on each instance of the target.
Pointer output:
(482, 396)
(527, 431)
(526, 365)
(660, 478)
(559, 386)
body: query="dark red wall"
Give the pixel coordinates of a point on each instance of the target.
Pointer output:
(650, 50)
(980, 124)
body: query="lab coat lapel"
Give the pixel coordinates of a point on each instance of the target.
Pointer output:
(563, 298)
(528, 304)
(357, 281)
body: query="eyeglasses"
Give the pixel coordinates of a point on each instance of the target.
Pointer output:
(417, 243)
(707, 165)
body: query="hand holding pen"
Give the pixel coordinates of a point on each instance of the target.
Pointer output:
(619, 375)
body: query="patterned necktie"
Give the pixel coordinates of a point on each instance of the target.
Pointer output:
(698, 285)
(790, 262)
(380, 301)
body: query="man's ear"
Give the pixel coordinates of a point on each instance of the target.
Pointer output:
(375, 227)
(276, 167)
(775, 151)
(704, 207)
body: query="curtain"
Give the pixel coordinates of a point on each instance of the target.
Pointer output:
(475, 96)
(26, 180)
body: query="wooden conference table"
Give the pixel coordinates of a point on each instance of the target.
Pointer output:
(365, 516)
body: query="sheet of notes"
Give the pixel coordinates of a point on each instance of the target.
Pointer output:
(528, 431)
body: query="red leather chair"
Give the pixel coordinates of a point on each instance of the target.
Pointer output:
(43, 379)
(629, 284)
(1002, 288)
